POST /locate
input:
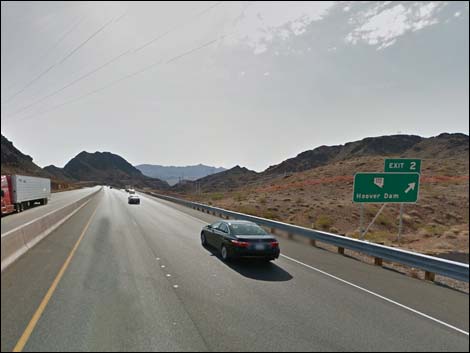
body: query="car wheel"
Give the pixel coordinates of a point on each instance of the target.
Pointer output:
(203, 240)
(224, 253)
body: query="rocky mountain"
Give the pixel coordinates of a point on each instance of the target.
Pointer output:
(442, 146)
(108, 168)
(58, 173)
(321, 197)
(15, 162)
(323, 155)
(105, 167)
(173, 175)
(227, 180)
(98, 167)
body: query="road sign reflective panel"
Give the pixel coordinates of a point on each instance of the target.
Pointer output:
(386, 187)
(402, 165)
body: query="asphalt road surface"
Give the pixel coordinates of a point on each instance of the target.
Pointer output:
(139, 280)
(58, 200)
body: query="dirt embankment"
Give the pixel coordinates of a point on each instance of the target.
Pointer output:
(321, 198)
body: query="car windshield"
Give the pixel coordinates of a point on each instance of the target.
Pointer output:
(246, 229)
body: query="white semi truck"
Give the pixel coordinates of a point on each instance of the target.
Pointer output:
(20, 192)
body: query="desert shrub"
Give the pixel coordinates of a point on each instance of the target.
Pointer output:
(384, 220)
(217, 196)
(270, 214)
(240, 196)
(379, 237)
(323, 222)
(248, 210)
(434, 229)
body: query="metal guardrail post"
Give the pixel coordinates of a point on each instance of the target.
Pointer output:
(429, 276)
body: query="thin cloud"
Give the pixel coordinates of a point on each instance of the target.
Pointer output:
(262, 23)
(381, 26)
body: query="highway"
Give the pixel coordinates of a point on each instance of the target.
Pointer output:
(58, 200)
(119, 277)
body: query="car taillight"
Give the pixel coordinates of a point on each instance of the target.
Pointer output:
(274, 244)
(240, 244)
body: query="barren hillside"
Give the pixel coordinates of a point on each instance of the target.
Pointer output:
(321, 198)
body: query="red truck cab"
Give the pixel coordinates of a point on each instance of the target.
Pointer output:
(7, 195)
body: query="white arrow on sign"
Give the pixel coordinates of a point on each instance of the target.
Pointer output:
(411, 186)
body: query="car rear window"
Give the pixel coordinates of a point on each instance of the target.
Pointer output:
(247, 229)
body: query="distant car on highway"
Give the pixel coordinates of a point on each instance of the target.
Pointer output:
(237, 239)
(133, 199)
(131, 191)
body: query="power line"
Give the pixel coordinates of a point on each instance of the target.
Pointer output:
(115, 59)
(177, 27)
(70, 84)
(195, 49)
(149, 67)
(61, 61)
(55, 45)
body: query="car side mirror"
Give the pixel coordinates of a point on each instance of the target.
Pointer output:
(209, 226)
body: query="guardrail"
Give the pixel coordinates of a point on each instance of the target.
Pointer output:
(430, 264)
(18, 241)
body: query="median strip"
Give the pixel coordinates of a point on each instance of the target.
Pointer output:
(18, 241)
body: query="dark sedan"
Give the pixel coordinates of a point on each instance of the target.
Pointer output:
(133, 199)
(235, 239)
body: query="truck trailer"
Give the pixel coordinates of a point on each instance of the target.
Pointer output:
(20, 192)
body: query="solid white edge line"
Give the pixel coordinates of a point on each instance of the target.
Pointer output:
(377, 295)
(344, 281)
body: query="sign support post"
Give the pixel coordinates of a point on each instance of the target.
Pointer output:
(373, 221)
(361, 225)
(400, 224)
(398, 184)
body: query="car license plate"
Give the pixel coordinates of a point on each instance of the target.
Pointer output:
(259, 247)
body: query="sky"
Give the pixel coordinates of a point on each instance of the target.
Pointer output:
(228, 83)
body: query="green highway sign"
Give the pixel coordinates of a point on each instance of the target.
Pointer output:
(402, 165)
(386, 187)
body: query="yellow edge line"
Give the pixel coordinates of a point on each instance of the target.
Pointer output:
(40, 310)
